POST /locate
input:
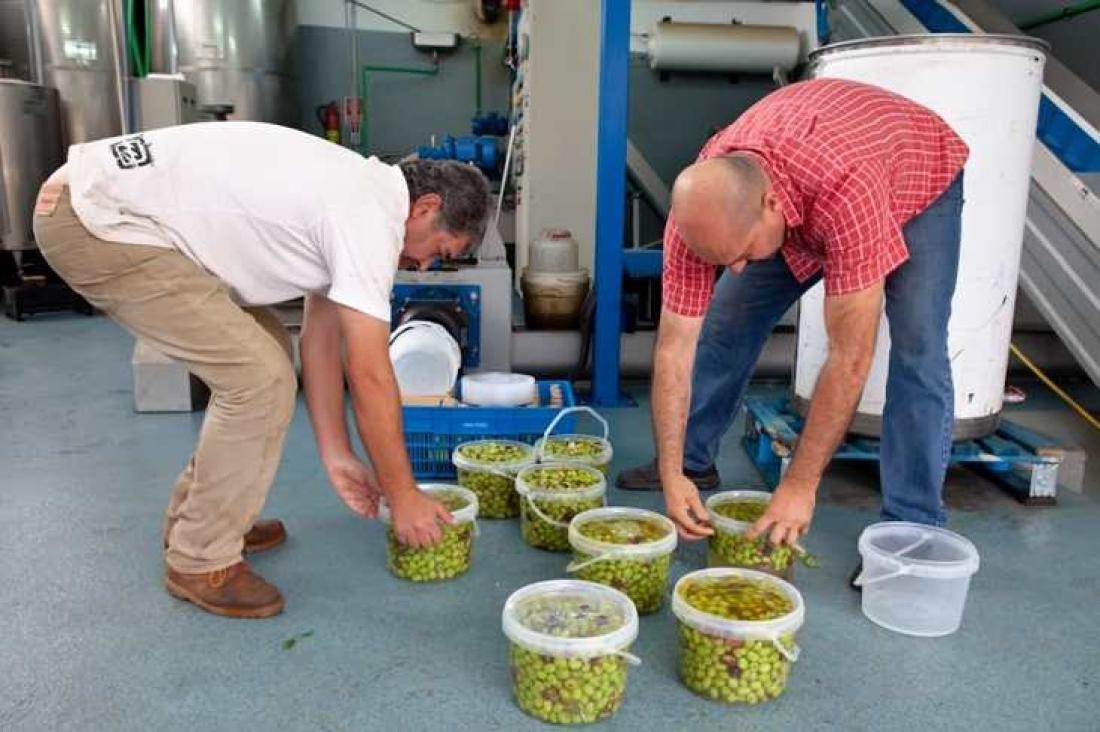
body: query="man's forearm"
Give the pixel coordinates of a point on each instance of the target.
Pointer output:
(834, 402)
(323, 381)
(378, 418)
(671, 398)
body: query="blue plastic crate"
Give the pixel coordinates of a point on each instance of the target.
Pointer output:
(432, 433)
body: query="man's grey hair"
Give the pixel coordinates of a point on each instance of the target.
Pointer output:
(463, 188)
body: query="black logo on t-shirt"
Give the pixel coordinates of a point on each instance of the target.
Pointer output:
(133, 152)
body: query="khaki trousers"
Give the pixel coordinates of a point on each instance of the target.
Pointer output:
(243, 355)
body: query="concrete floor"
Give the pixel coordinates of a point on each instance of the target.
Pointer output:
(90, 641)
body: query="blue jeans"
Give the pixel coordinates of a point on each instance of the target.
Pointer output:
(918, 415)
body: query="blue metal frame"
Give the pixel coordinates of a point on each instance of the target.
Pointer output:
(610, 197)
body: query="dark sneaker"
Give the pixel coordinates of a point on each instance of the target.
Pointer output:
(854, 576)
(647, 478)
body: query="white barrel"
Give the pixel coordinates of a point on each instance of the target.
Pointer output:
(554, 251)
(425, 358)
(987, 88)
(723, 48)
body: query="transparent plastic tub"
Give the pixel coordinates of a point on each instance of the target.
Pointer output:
(728, 547)
(737, 660)
(488, 468)
(582, 449)
(570, 644)
(449, 558)
(629, 549)
(915, 578)
(551, 494)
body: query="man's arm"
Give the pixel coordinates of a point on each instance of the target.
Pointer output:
(323, 378)
(851, 322)
(377, 410)
(673, 359)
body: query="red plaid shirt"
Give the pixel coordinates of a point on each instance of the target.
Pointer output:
(851, 164)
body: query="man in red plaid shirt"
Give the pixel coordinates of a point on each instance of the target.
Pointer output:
(848, 183)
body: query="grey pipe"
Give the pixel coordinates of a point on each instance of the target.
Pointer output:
(122, 74)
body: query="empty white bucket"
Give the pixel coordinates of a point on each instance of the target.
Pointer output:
(425, 358)
(915, 577)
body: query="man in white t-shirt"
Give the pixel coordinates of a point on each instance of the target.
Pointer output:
(183, 235)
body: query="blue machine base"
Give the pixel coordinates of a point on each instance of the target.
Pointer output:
(1023, 462)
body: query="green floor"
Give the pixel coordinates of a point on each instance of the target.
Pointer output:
(92, 642)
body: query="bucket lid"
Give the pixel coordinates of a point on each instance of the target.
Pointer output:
(499, 389)
(712, 624)
(530, 481)
(732, 525)
(628, 526)
(920, 550)
(439, 491)
(570, 618)
(516, 455)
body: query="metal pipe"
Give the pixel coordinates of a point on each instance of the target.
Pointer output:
(34, 43)
(610, 197)
(352, 138)
(122, 91)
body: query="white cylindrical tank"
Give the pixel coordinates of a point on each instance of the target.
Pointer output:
(987, 88)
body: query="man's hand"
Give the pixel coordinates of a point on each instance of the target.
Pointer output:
(789, 514)
(355, 483)
(685, 509)
(416, 519)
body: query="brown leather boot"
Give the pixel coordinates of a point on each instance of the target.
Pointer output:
(264, 535)
(234, 592)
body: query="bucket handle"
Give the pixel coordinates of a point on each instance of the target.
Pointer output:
(629, 657)
(565, 412)
(791, 654)
(862, 581)
(542, 516)
(924, 536)
(576, 566)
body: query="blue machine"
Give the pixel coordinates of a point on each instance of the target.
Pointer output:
(455, 307)
(479, 150)
(489, 123)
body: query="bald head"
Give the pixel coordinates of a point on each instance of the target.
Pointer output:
(718, 203)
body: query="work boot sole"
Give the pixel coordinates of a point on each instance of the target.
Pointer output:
(250, 613)
(264, 546)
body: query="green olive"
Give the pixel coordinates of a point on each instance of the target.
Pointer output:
(495, 487)
(567, 690)
(728, 669)
(747, 510)
(643, 580)
(577, 449)
(449, 558)
(543, 535)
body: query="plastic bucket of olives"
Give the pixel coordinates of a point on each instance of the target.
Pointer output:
(570, 644)
(551, 494)
(629, 549)
(732, 513)
(737, 629)
(574, 448)
(488, 468)
(452, 555)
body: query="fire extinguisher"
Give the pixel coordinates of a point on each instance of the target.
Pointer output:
(329, 117)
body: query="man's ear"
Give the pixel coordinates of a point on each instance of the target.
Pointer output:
(426, 205)
(771, 201)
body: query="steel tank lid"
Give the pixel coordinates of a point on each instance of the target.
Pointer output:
(938, 41)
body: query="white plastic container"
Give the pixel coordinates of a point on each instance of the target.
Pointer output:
(493, 478)
(638, 568)
(570, 649)
(449, 558)
(987, 87)
(498, 389)
(553, 300)
(555, 448)
(727, 547)
(915, 578)
(554, 251)
(425, 358)
(737, 661)
(545, 512)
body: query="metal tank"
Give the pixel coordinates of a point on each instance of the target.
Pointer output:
(30, 149)
(234, 52)
(80, 45)
(987, 88)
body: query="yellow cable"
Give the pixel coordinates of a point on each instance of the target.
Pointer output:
(1054, 387)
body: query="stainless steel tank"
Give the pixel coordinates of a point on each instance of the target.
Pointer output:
(30, 149)
(83, 57)
(234, 52)
(14, 46)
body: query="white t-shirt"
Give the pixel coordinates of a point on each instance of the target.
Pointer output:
(273, 212)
